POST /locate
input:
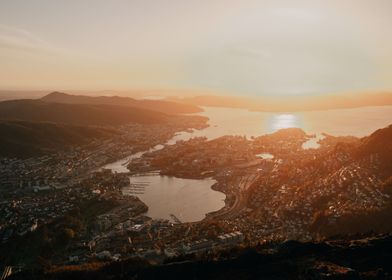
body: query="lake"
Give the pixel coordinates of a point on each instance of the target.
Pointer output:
(188, 199)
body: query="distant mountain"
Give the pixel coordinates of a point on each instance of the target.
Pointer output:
(17, 94)
(77, 114)
(26, 139)
(162, 106)
(291, 103)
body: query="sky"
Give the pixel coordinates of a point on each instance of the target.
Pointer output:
(247, 47)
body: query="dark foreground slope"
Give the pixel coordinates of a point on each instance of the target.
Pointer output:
(25, 139)
(365, 258)
(167, 107)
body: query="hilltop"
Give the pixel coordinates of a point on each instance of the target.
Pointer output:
(379, 143)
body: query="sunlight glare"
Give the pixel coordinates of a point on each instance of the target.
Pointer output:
(282, 121)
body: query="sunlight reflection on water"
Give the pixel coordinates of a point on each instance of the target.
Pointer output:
(280, 121)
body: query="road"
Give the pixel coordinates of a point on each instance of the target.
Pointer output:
(241, 197)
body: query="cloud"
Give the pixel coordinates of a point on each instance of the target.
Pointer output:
(17, 39)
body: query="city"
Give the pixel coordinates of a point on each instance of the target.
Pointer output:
(294, 193)
(203, 140)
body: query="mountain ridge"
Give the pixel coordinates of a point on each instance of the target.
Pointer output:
(77, 114)
(163, 106)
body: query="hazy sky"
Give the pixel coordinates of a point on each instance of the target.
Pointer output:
(243, 46)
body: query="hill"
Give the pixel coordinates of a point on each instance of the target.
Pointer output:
(167, 107)
(77, 114)
(378, 144)
(25, 139)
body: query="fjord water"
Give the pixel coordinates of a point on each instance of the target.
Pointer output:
(190, 200)
(338, 122)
